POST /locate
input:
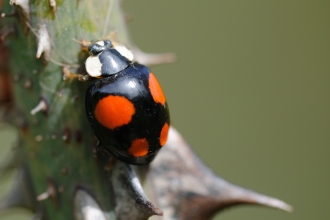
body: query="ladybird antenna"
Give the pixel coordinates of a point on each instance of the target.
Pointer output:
(107, 19)
(113, 37)
(83, 42)
(77, 41)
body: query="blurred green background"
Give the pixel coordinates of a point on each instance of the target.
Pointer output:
(250, 93)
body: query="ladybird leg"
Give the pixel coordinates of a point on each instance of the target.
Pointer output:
(111, 159)
(67, 75)
(110, 163)
(84, 44)
(101, 149)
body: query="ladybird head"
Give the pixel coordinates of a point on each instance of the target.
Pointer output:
(107, 59)
(97, 47)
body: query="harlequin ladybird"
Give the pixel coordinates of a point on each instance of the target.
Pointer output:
(125, 106)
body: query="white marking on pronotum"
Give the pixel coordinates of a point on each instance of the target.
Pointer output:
(42, 106)
(101, 43)
(53, 4)
(124, 51)
(24, 5)
(93, 66)
(44, 43)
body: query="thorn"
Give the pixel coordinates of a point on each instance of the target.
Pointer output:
(85, 206)
(21, 192)
(11, 161)
(44, 44)
(209, 193)
(235, 195)
(129, 194)
(53, 5)
(42, 106)
(150, 59)
(43, 196)
(24, 5)
(51, 192)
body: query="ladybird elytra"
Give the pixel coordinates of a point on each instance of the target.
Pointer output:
(114, 111)
(139, 147)
(126, 106)
(156, 90)
(164, 134)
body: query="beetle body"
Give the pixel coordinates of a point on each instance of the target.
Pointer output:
(126, 107)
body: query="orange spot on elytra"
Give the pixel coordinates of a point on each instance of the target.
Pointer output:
(163, 134)
(139, 147)
(155, 89)
(114, 111)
